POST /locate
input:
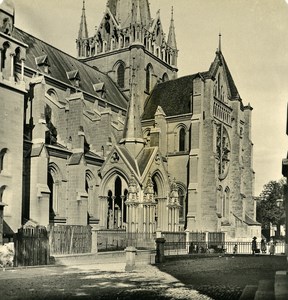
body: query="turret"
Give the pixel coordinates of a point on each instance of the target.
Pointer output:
(12, 51)
(136, 24)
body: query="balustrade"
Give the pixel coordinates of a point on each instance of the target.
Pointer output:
(222, 112)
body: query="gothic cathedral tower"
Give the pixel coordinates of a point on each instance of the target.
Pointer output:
(127, 31)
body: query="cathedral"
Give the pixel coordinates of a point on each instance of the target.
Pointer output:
(112, 138)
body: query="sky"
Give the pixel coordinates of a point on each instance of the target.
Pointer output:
(254, 44)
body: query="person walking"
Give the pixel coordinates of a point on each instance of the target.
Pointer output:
(235, 249)
(254, 245)
(272, 248)
(263, 246)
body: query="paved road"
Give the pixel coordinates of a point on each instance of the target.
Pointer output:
(94, 281)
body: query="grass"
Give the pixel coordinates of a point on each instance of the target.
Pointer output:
(223, 277)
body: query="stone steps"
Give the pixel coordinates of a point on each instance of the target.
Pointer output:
(249, 292)
(276, 289)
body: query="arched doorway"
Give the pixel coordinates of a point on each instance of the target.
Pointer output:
(116, 203)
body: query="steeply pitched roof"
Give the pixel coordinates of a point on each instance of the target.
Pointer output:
(220, 60)
(60, 63)
(132, 127)
(143, 158)
(75, 159)
(174, 96)
(129, 158)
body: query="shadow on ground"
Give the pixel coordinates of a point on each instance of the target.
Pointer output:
(94, 282)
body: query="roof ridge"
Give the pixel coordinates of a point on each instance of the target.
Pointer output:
(62, 51)
(92, 74)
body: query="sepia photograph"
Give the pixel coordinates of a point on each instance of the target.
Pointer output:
(144, 149)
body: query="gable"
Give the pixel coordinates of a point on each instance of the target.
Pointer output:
(218, 62)
(120, 158)
(108, 26)
(157, 30)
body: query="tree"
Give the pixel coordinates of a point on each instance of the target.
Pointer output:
(268, 210)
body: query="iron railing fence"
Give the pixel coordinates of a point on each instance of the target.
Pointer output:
(181, 248)
(116, 240)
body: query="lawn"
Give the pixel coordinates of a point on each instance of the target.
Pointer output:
(223, 277)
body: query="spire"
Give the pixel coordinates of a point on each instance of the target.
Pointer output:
(219, 46)
(83, 31)
(132, 134)
(138, 15)
(171, 35)
(121, 9)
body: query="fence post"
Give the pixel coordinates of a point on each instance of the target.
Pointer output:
(160, 250)
(187, 240)
(207, 239)
(130, 258)
(158, 233)
(94, 232)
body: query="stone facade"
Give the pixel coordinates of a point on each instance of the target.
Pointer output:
(206, 137)
(122, 36)
(73, 149)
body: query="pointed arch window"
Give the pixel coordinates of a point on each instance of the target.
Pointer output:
(2, 159)
(156, 194)
(219, 201)
(2, 189)
(148, 78)
(89, 184)
(182, 137)
(165, 77)
(181, 197)
(219, 86)
(5, 46)
(226, 200)
(51, 198)
(54, 184)
(52, 93)
(121, 75)
(51, 133)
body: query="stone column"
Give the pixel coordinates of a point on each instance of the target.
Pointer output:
(133, 218)
(122, 210)
(145, 219)
(113, 210)
(102, 209)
